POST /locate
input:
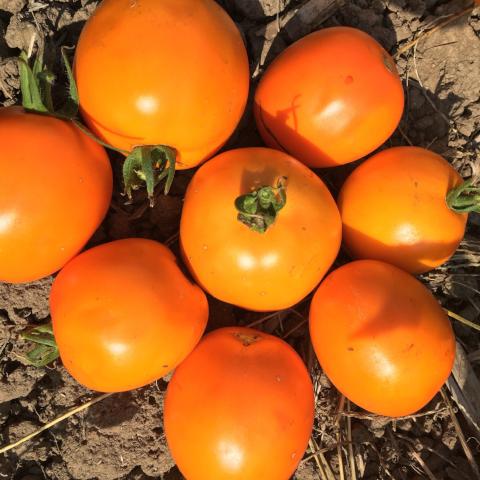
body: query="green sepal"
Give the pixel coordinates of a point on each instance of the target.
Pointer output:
(30, 83)
(71, 106)
(45, 348)
(36, 85)
(259, 209)
(465, 198)
(149, 165)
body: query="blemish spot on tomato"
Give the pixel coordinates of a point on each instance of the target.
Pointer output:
(348, 79)
(247, 339)
(350, 349)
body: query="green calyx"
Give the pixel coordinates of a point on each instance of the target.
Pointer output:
(259, 209)
(45, 348)
(465, 198)
(146, 164)
(36, 84)
(149, 165)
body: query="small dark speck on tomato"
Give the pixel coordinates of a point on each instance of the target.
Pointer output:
(350, 349)
(348, 79)
(164, 366)
(415, 183)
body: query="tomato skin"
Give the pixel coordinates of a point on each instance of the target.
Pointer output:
(170, 72)
(124, 315)
(56, 186)
(247, 408)
(330, 98)
(381, 337)
(263, 272)
(393, 209)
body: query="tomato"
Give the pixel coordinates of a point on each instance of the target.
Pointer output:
(393, 209)
(330, 98)
(124, 315)
(170, 72)
(56, 185)
(236, 264)
(239, 407)
(381, 337)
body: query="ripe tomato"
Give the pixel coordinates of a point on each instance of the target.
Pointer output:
(258, 271)
(330, 98)
(244, 399)
(393, 209)
(124, 315)
(170, 72)
(381, 337)
(56, 185)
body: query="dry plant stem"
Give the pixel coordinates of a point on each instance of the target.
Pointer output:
(54, 422)
(340, 456)
(460, 319)
(353, 469)
(315, 452)
(322, 462)
(420, 461)
(295, 328)
(461, 436)
(380, 460)
(404, 135)
(429, 449)
(263, 319)
(372, 416)
(340, 409)
(171, 240)
(426, 34)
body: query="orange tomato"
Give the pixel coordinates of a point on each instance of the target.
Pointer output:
(244, 400)
(393, 209)
(381, 337)
(56, 185)
(170, 72)
(124, 315)
(258, 271)
(330, 98)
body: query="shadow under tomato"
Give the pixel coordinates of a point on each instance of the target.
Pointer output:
(113, 410)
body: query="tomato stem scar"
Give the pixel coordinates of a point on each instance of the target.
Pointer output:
(246, 338)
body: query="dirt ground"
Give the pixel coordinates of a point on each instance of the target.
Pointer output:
(122, 437)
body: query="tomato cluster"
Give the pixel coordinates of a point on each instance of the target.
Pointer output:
(259, 230)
